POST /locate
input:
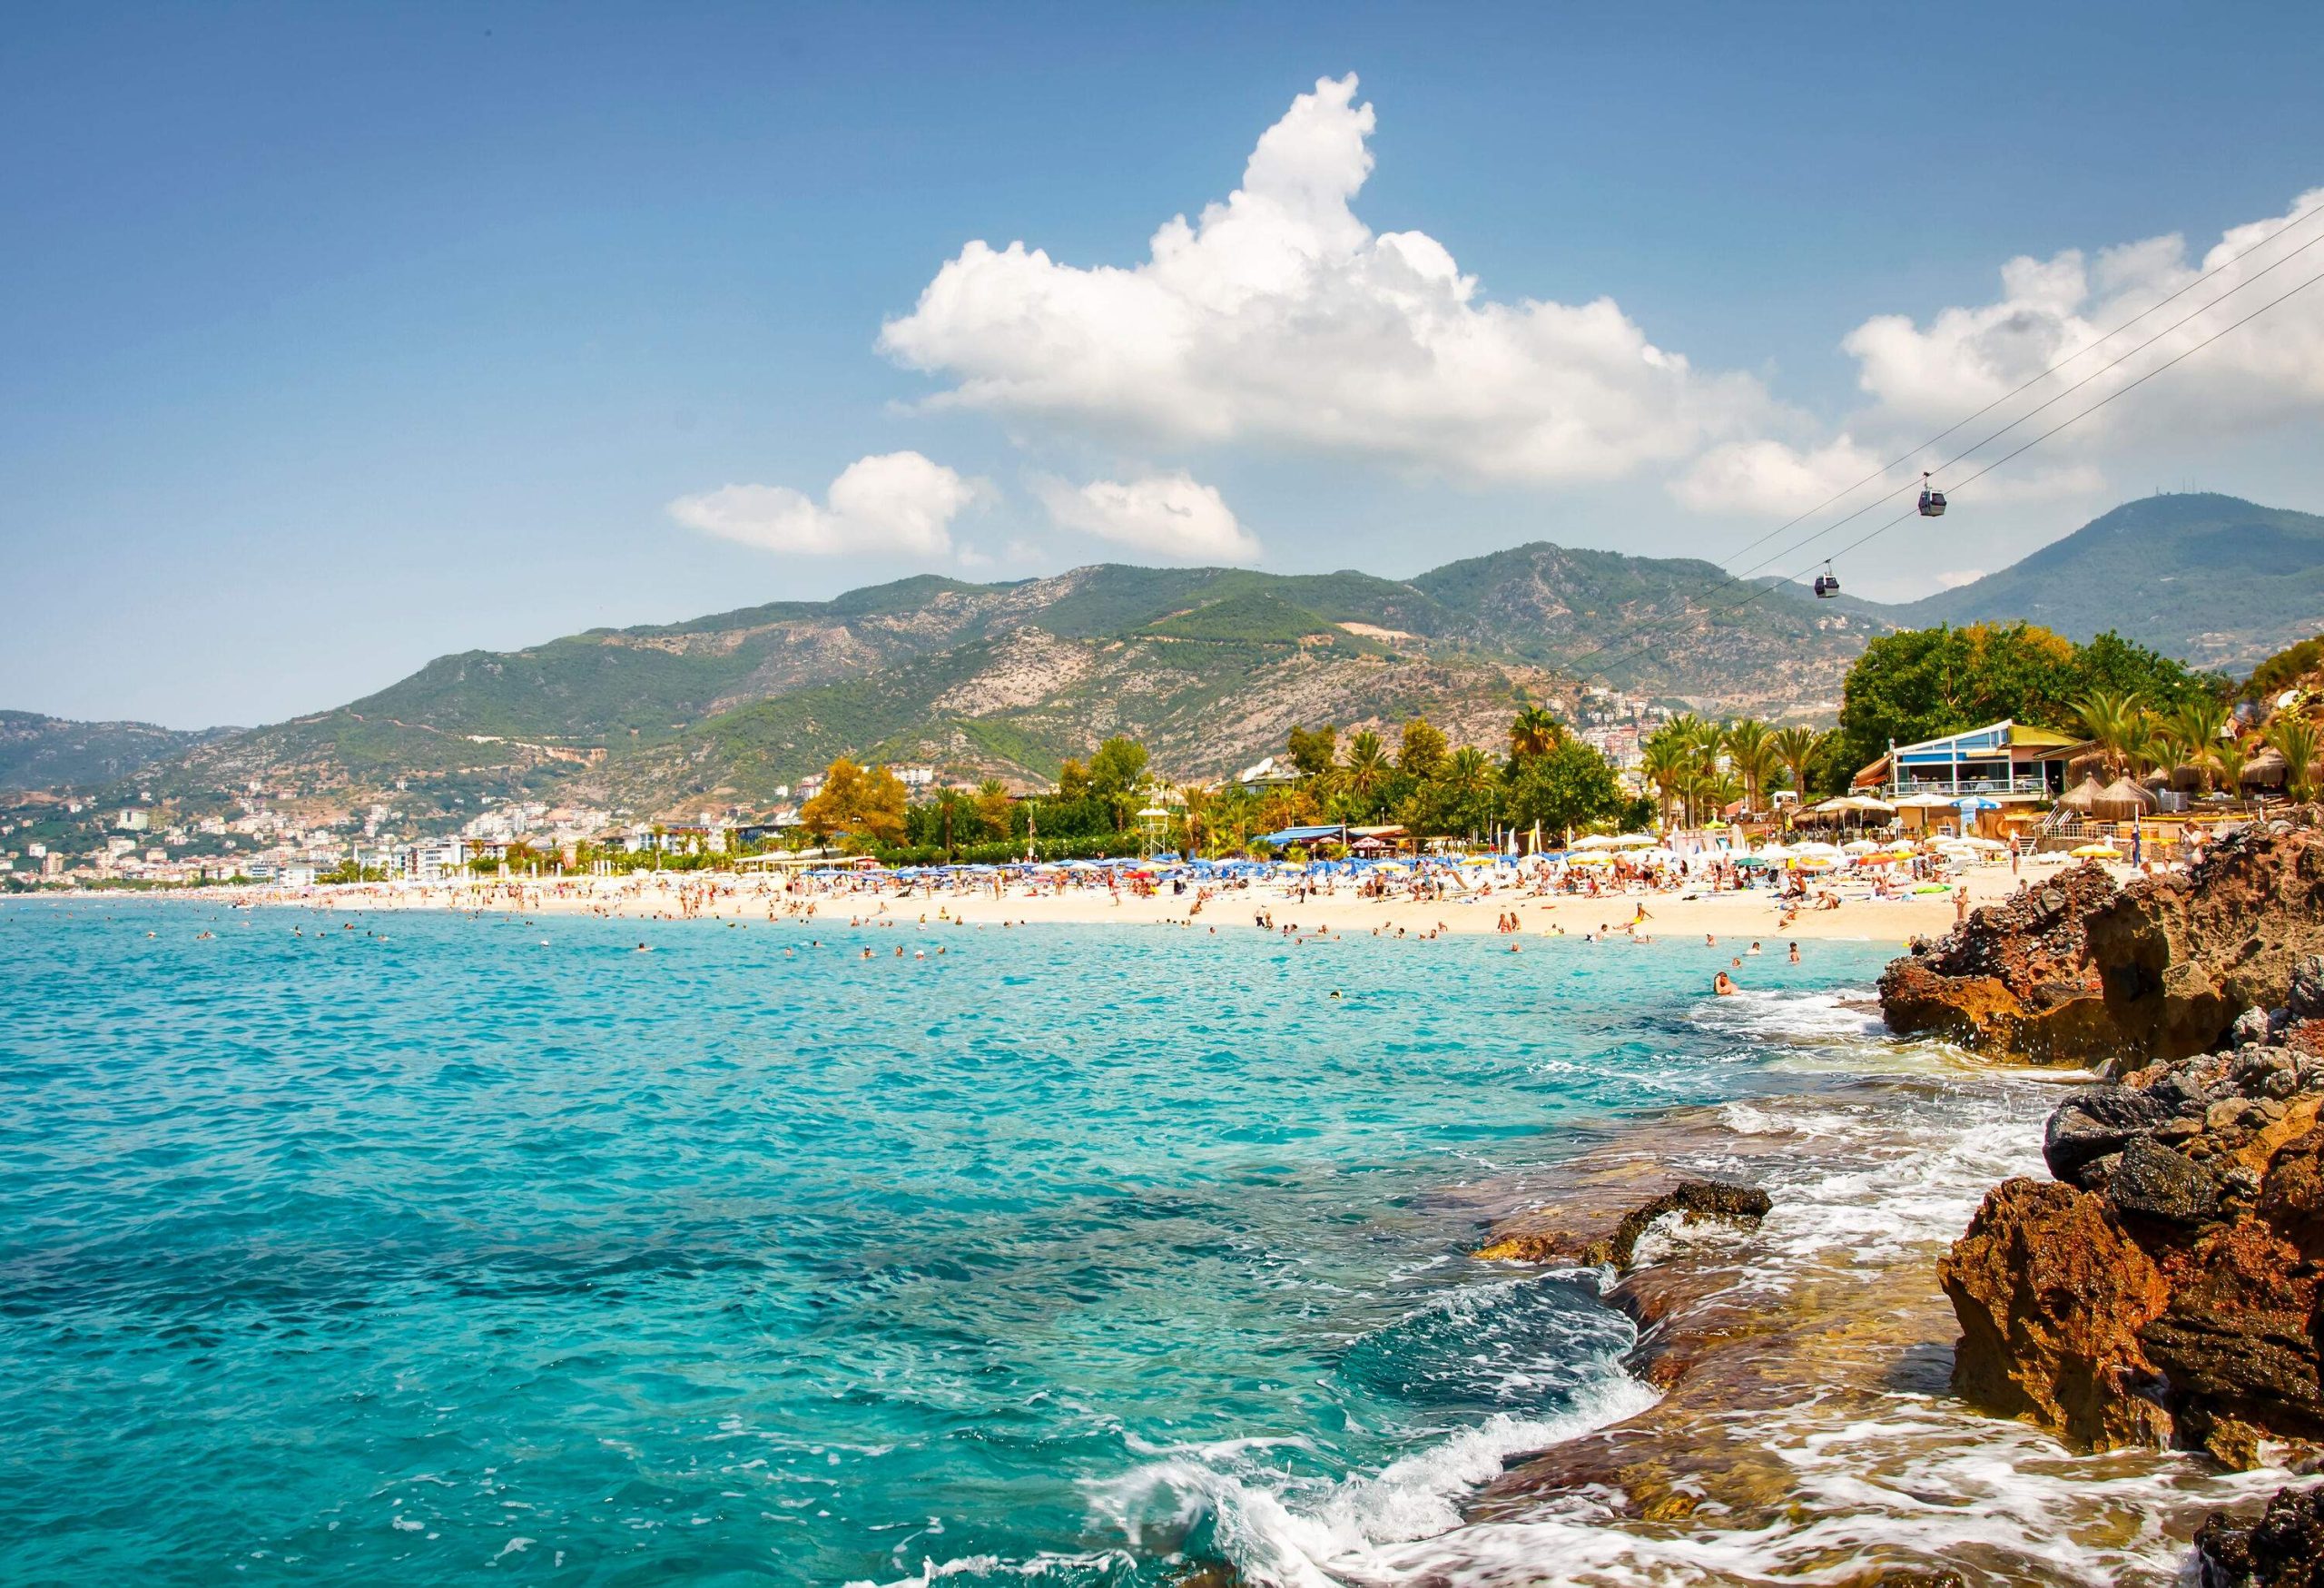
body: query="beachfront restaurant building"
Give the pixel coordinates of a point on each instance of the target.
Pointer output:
(2008, 762)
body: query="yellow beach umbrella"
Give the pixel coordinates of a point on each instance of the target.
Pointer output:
(2097, 852)
(1594, 857)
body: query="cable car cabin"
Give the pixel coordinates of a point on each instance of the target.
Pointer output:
(1931, 503)
(1826, 586)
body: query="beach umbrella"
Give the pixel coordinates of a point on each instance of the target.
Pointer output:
(2097, 852)
(1635, 840)
(1595, 857)
(1859, 846)
(2124, 800)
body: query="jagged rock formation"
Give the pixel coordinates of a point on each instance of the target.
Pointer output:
(2166, 1286)
(2076, 971)
(2284, 1548)
(1692, 1200)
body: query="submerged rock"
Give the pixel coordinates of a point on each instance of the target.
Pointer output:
(2284, 1548)
(1695, 1200)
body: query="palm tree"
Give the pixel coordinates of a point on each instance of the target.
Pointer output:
(1666, 763)
(2145, 746)
(2295, 740)
(1468, 771)
(2227, 755)
(2193, 730)
(1751, 751)
(1797, 748)
(1535, 732)
(1365, 768)
(2113, 721)
(1196, 799)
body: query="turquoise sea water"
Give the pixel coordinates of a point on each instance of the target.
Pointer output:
(481, 1250)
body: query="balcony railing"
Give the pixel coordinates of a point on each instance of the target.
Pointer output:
(2034, 785)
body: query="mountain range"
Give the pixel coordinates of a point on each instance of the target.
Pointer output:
(1210, 667)
(49, 752)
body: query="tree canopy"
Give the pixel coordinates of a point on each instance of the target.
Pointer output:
(1924, 682)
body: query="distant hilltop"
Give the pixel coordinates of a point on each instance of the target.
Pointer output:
(2214, 580)
(1209, 667)
(40, 751)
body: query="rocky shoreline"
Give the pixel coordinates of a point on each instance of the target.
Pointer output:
(2139, 1355)
(2165, 1287)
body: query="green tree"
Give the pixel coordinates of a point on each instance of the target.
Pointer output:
(1072, 780)
(1796, 749)
(1534, 731)
(1751, 751)
(1117, 769)
(1570, 785)
(1313, 751)
(995, 810)
(2114, 721)
(1421, 750)
(2295, 740)
(860, 808)
(1367, 771)
(2191, 729)
(1666, 763)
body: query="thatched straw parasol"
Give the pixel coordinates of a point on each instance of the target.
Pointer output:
(2084, 796)
(2122, 801)
(2265, 770)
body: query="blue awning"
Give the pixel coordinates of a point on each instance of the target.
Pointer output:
(1304, 836)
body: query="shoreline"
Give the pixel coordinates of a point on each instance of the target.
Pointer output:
(1804, 1422)
(1800, 1369)
(1736, 918)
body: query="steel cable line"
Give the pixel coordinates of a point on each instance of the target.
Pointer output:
(2033, 380)
(2107, 368)
(1783, 581)
(1745, 574)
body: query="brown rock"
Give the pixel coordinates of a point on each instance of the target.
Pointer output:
(2284, 1548)
(2157, 970)
(2052, 1295)
(1695, 1200)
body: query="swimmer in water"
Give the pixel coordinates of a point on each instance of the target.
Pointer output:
(1723, 984)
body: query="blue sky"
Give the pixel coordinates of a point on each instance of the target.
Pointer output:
(333, 338)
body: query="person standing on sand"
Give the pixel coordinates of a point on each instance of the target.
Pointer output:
(1960, 903)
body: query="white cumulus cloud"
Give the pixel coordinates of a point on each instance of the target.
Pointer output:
(1921, 375)
(1279, 316)
(888, 502)
(1173, 516)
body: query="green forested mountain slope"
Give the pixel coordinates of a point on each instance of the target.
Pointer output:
(2211, 579)
(48, 752)
(1211, 666)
